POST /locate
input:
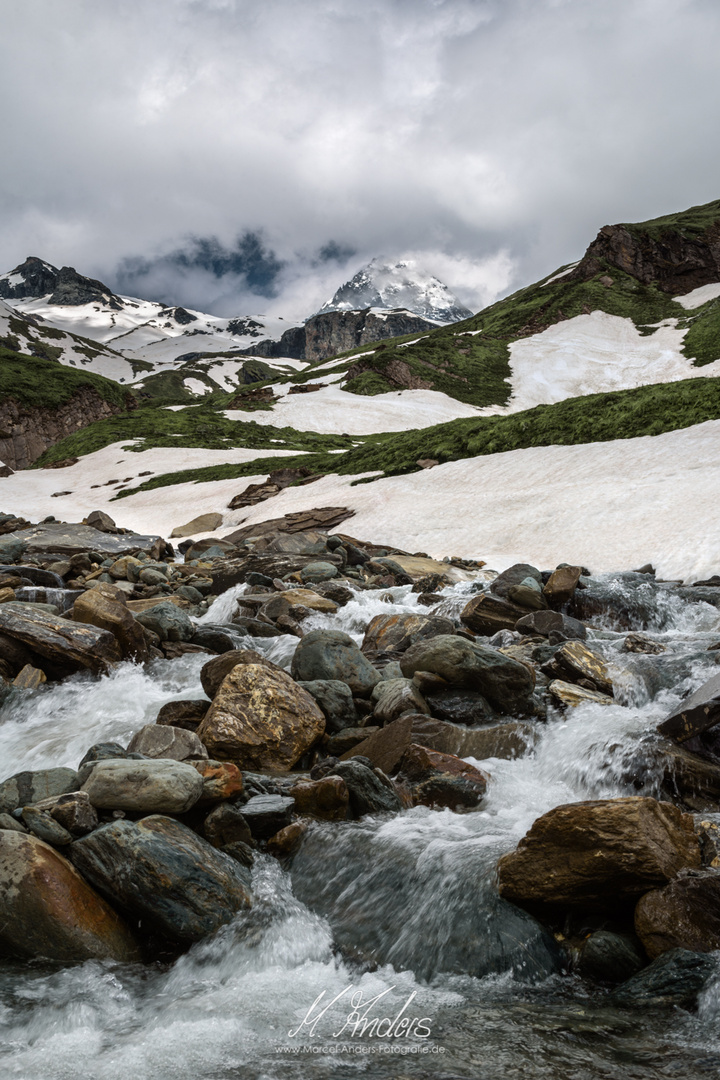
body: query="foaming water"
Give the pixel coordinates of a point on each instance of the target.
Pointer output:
(225, 1006)
(224, 607)
(55, 725)
(395, 906)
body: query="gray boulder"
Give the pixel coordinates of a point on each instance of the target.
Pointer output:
(330, 654)
(25, 788)
(393, 697)
(505, 682)
(548, 622)
(144, 787)
(610, 958)
(165, 741)
(318, 571)
(336, 702)
(165, 875)
(267, 814)
(675, 978)
(371, 792)
(514, 575)
(168, 621)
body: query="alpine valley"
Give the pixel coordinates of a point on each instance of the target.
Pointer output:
(359, 690)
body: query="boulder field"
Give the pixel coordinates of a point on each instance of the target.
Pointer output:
(137, 851)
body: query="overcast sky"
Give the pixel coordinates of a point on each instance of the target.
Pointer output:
(489, 138)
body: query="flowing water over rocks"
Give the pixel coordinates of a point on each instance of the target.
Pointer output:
(401, 909)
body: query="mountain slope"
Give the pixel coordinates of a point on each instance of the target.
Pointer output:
(611, 321)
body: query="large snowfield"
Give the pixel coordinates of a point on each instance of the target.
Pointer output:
(610, 506)
(335, 411)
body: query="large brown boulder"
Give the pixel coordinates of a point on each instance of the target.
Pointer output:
(47, 910)
(486, 614)
(261, 719)
(97, 607)
(600, 854)
(684, 914)
(213, 673)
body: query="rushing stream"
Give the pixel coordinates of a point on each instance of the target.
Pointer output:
(402, 910)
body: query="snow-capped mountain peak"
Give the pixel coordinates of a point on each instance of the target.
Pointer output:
(391, 285)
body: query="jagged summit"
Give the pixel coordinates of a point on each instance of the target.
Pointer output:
(36, 278)
(386, 285)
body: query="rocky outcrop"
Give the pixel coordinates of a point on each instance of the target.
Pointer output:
(66, 285)
(676, 260)
(26, 433)
(334, 332)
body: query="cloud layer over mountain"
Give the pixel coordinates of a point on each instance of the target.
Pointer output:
(214, 149)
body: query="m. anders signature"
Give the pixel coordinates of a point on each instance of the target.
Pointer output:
(360, 1022)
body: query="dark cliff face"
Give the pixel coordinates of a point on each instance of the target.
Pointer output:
(335, 332)
(26, 433)
(66, 286)
(676, 261)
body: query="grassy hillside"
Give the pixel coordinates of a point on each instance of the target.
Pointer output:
(470, 360)
(647, 410)
(35, 381)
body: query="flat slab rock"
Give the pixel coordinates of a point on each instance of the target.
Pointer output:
(69, 644)
(697, 713)
(61, 539)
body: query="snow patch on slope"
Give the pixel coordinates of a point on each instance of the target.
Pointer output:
(336, 411)
(596, 353)
(699, 296)
(610, 506)
(158, 511)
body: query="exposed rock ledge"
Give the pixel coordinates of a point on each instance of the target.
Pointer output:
(25, 433)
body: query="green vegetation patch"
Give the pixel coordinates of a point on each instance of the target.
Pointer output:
(702, 341)
(40, 382)
(692, 222)
(195, 426)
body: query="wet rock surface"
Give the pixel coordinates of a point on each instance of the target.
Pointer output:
(49, 911)
(164, 874)
(599, 854)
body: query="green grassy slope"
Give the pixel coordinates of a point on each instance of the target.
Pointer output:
(476, 368)
(36, 381)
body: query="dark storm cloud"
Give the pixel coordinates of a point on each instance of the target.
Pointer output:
(489, 138)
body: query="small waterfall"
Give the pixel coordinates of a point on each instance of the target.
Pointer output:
(221, 611)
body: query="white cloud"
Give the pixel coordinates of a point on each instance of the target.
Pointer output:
(500, 134)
